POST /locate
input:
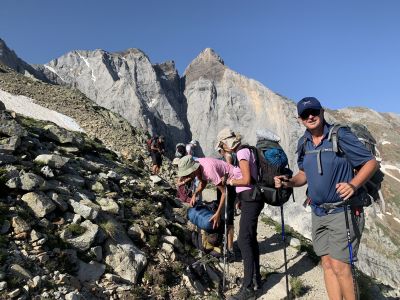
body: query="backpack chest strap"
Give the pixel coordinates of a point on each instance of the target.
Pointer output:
(318, 152)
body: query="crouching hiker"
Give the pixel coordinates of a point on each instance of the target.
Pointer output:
(211, 170)
(336, 201)
(250, 210)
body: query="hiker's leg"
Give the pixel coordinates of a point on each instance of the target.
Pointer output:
(339, 249)
(343, 274)
(256, 247)
(230, 237)
(332, 285)
(248, 240)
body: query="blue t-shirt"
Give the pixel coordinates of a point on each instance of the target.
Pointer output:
(335, 167)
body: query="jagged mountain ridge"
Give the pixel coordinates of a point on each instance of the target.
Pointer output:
(126, 83)
(215, 96)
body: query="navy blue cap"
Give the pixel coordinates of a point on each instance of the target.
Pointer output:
(308, 103)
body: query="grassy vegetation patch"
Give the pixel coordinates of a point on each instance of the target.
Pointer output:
(110, 228)
(298, 287)
(75, 229)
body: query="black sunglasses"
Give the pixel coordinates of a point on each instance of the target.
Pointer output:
(310, 112)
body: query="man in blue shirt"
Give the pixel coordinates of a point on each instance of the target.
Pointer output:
(331, 179)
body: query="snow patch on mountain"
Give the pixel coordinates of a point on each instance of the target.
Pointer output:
(26, 106)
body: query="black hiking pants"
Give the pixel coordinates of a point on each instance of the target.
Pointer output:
(247, 240)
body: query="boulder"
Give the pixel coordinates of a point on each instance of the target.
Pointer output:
(62, 135)
(91, 271)
(122, 255)
(108, 205)
(83, 241)
(9, 127)
(85, 208)
(9, 145)
(40, 204)
(27, 182)
(52, 160)
(19, 225)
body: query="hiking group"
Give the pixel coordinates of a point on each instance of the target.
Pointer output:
(331, 159)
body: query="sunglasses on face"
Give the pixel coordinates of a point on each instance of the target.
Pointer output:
(310, 112)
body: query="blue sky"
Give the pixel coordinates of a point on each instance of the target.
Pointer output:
(344, 52)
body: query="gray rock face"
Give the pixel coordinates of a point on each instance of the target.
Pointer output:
(10, 59)
(125, 83)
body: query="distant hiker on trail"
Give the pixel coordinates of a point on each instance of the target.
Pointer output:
(333, 190)
(230, 142)
(190, 148)
(156, 152)
(206, 169)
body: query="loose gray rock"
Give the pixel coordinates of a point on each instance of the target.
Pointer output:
(47, 172)
(19, 225)
(40, 204)
(20, 272)
(108, 205)
(85, 208)
(62, 135)
(52, 160)
(84, 241)
(27, 182)
(91, 271)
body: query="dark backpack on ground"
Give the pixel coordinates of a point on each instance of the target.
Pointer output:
(373, 186)
(271, 161)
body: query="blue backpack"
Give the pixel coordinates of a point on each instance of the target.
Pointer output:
(271, 161)
(200, 216)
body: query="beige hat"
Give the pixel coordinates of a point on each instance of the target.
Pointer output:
(228, 137)
(176, 161)
(187, 165)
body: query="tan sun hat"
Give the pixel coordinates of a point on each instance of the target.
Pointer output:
(187, 165)
(176, 161)
(228, 137)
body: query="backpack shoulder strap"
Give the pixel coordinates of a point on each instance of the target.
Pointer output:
(253, 150)
(301, 145)
(333, 136)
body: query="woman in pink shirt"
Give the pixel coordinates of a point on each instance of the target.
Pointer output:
(244, 179)
(206, 169)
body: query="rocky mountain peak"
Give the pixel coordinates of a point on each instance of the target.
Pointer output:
(208, 64)
(209, 55)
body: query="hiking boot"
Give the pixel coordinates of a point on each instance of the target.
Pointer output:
(244, 294)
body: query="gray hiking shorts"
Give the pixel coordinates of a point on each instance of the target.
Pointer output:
(329, 235)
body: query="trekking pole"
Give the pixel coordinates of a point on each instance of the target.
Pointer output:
(284, 253)
(226, 269)
(350, 247)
